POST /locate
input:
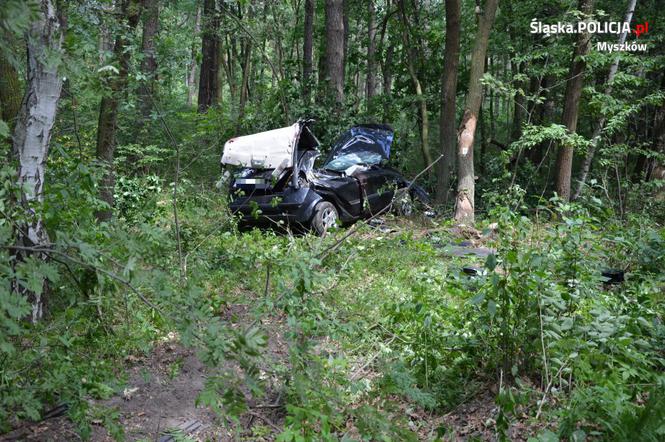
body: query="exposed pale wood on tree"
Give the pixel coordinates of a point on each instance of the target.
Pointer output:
(465, 203)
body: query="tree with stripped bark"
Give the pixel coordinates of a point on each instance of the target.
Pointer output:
(465, 202)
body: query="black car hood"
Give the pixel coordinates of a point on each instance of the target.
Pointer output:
(375, 138)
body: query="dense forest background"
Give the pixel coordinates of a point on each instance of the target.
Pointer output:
(547, 149)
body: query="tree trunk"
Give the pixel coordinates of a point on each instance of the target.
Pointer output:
(655, 169)
(307, 50)
(465, 204)
(32, 135)
(387, 81)
(244, 92)
(149, 61)
(10, 92)
(191, 74)
(545, 116)
(209, 76)
(412, 62)
(108, 111)
(371, 53)
(334, 61)
(588, 159)
(227, 63)
(345, 23)
(564, 161)
(518, 110)
(447, 135)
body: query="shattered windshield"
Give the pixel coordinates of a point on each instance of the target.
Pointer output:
(343, 162)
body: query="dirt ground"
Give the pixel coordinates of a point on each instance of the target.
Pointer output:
(160, 397)
(162, 389)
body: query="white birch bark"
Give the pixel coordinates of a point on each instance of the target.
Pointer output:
(33, 131)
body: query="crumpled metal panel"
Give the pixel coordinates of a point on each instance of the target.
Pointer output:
(264, 150)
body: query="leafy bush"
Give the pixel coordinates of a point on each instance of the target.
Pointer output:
(136, 198)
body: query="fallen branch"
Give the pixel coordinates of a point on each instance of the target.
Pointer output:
(49, 250)
(266, 420)
(324, 254)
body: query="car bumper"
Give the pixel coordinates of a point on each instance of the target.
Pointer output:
(294, 206)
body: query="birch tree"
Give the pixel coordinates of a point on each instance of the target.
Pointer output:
(32, 136)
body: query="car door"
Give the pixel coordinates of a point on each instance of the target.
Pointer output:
(376, 189)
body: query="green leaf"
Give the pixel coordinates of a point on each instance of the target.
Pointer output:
(4, 129)
(490, 263)
(477, 299)
(491, 308)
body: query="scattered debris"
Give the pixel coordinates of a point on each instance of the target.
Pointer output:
(461, 251)
(128, 393)
(472, 271)
(614, 276)
(181, 430)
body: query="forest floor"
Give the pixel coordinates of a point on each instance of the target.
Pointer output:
(159, 400)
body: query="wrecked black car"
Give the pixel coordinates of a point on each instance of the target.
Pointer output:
(352, 184)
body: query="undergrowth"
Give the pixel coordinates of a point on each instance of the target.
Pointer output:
(381, 322)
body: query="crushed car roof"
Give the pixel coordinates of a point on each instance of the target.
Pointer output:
(270, 149)
(376, 138)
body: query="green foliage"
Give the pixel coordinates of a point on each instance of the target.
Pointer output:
(136, 197)
(381, 323)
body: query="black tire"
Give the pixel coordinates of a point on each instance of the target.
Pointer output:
(325, 217)
(403, 203)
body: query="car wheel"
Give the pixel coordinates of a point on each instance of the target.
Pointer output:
(403, 203)
(325, 217)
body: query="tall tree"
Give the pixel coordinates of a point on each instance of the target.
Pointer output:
(209, 77)
(447, 134)
(32, 134)
(466, 186)
(334, 60)
(108, 109)
(414, 56)
(191, 72)
(307, 52)
(588, 158)
(149, 61)
(564, 160)
(656, 168)
(244, 86)
(10, 91)
(371, 51)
